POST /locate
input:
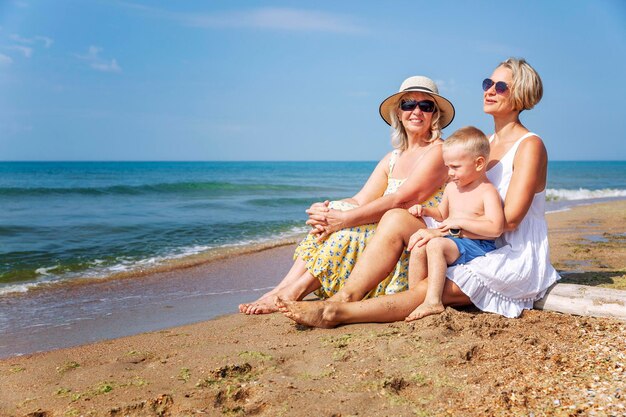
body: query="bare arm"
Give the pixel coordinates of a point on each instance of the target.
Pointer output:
(373, 188)
(440, 212)
(376, 184)
(529, 177)
(422, 236)
(436, 213)
(427, 176)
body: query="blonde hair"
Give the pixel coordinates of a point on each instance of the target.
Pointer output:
(527, 88)
(471, 139)
(399, 138)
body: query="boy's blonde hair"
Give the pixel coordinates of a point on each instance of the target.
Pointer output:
(471, 139)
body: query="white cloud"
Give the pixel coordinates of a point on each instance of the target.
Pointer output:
(98, 63)
(107, 66)
(272, 18)
(5, 60)
(25, 50)
(47, 42)
(18, 38)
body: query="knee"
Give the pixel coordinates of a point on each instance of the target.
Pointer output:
(393, 217)
(395, 222)
(418, 252)
(435, 244)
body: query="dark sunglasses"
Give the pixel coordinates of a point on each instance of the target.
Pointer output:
(501, 86)
(427, 106)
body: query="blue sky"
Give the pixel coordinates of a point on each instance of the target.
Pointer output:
(287, 80)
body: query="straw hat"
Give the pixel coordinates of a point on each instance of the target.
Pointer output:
(421, 84)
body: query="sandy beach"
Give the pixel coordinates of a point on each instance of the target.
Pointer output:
(460, 363)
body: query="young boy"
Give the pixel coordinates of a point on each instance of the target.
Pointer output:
(470, 216)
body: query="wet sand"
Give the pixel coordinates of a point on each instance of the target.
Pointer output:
(462, 362)
(74, 314)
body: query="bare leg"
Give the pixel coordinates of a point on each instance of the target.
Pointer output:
(295, 273)
(385, 309)
(440, 252)
(380, 255)
(418, 266)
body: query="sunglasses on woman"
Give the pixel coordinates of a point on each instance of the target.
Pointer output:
(427, 106)
(501, 86)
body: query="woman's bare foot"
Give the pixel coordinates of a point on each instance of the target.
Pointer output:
(264, 305)
(424, 310)
(308, 313)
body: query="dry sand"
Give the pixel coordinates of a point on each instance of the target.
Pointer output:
(460, 363)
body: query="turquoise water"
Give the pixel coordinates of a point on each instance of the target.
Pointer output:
(65, 220)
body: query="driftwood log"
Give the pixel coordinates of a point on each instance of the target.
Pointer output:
(583, 300)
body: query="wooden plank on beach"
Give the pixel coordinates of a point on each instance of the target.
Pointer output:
(583, 300)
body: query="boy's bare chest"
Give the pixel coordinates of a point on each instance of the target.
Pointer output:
(466, 204)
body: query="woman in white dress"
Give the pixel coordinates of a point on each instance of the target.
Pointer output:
(507, 280)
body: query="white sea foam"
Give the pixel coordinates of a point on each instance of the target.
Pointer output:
(18, 288)
(126, 264)
(45, 271)
(558, 210)
(583, 194)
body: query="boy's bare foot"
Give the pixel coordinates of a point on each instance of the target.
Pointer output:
(308, 313)
(425, 310)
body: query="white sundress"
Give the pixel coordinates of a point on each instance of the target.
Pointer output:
(512, 277)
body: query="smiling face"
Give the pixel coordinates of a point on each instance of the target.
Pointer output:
(463, 167)
(416, 122)
(497, 104)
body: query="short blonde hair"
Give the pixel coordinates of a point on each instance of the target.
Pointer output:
(471, 139)
(399, 138)
(527, 88)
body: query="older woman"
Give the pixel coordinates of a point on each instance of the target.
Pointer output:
(413, 172)
(505, 281)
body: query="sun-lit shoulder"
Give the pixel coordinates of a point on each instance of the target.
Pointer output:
(384, 162)
(531, 153)
(532, 144)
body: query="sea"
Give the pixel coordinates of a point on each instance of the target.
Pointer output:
(129, 230)
(67, 221)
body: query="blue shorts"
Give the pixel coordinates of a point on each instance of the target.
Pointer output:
(471, 248)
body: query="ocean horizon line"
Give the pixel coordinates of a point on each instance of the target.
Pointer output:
(241, 160)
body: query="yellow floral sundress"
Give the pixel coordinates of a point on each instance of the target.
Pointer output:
(331, 261)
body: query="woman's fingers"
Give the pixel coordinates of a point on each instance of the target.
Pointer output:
(320, 205)
(322, 236)
(317, 229)
(317, 210)
(314, 219)
(334, 218)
